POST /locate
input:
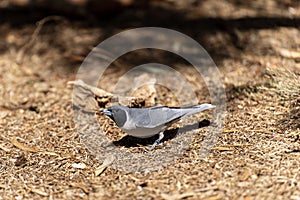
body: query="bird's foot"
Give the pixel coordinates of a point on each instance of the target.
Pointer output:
(161, 136)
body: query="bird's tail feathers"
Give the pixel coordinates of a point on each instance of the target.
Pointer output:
(199, 108)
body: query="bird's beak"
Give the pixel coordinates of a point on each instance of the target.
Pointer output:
(106, 112)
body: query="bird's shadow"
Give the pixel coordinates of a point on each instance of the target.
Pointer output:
(130, 141)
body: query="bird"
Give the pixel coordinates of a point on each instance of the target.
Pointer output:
(147, 122)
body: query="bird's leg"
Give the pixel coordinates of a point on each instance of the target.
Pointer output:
(161, 136)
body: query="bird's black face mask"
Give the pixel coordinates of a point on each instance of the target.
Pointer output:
(117, 115)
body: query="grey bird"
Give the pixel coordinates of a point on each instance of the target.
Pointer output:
(146, 122)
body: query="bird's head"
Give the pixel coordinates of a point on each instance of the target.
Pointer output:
(117, 114)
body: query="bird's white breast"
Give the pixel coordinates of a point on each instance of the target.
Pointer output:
(143, 132)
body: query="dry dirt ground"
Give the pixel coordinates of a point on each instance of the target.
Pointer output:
(255, 45)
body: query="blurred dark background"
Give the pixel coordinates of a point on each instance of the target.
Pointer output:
(223, 27)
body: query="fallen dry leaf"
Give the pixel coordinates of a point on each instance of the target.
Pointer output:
(288, 53)
(3, 114)
(79, 165)
(108, 161)
(22, 146)
(40, 192)
(177, 196)
(145, 89)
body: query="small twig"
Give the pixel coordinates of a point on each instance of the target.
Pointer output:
(230, 147)
(260, 131)
(39, 27)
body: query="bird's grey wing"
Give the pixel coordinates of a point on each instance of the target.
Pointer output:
(157, 116)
